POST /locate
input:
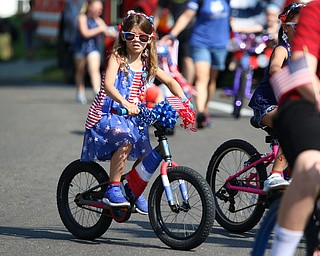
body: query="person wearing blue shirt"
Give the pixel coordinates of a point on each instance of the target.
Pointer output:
(208, 41)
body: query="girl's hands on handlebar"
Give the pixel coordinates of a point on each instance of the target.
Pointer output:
(131, 108)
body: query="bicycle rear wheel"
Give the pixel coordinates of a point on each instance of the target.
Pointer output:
(190, 224)
(83, 221)
(236, 211)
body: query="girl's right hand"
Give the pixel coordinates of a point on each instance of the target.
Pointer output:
(132, 108)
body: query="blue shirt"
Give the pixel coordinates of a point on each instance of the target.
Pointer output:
(212, 29)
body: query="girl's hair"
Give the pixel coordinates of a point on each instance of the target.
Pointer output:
(86, 4)
(288, 14)
(145, 24)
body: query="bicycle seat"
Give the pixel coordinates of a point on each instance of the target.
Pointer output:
(255, 124)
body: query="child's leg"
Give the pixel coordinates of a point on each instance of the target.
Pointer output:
(118, 162)
(275, 179)
(138, 179)
(280, 162)
(139, 176)
(80, 65)
(113, 195)
(93, 60)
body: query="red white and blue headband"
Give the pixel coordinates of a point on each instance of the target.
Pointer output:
(283, 16)
(132, 13)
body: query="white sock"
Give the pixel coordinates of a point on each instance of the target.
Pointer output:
(285, 241)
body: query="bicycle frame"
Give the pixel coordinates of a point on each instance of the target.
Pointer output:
(168, 163)
(254, 189)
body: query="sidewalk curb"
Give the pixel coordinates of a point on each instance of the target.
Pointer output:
(24, 69)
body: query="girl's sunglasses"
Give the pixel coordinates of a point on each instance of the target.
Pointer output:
(293, 25)
(130, 36)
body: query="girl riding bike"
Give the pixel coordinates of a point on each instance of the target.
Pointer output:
(131, 68)
(263, 101)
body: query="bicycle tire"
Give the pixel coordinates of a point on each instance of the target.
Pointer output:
(262, 238)
(78, 177)
(227, 160)
(173, 228)
(267, 224)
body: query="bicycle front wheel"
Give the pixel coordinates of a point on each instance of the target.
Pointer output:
(83, 221)
(189, 224)
(236, 211)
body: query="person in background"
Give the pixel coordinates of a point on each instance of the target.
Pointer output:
(248, 16)
(297, 125)
(263, 101)
(208, 44)
(67, 33)
(272, 25)
(86, 47)
(176, 8)
(29, 26)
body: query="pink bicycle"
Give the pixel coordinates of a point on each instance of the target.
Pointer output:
(236, 174)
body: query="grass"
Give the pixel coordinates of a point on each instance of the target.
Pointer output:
(52, 74)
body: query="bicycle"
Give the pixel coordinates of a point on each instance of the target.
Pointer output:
(248, 52)
(312, 230)
(236, 173)
(180, 201)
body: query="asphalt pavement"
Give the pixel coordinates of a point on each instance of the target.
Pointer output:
(41, 132)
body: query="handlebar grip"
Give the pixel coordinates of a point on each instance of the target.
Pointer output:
(122, 111)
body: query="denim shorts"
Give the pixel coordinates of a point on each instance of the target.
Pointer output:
(81, 55)
(215, 56)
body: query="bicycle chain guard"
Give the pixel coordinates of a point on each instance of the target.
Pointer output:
(120, 214)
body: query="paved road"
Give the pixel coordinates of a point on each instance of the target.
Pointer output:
(41, 132)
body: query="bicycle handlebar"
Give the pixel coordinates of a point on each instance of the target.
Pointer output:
(122, 111)
(166, 113)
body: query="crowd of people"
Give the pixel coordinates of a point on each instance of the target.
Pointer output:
(132, 66)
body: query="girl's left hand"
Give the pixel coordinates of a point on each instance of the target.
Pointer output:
(183, 100)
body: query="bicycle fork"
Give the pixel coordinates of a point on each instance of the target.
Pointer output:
(168, 163)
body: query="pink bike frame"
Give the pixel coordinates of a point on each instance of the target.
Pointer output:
(253, 188)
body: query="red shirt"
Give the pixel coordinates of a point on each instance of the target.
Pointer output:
(308, 31)
(307, 34)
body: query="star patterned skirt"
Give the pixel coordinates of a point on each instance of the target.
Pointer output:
(111, 133)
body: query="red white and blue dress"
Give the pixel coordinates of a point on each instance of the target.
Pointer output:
(106, 131)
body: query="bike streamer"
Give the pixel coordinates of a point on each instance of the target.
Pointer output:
(167, 112)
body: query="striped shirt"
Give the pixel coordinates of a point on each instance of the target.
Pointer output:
(130, 87)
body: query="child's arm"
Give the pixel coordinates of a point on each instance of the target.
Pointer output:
(171, 83)
(113, 93)
(85, 31)
(182, 22)
(276, 62)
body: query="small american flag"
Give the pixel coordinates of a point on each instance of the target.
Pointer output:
(294, 75)
(175, 102)
(300, 74)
